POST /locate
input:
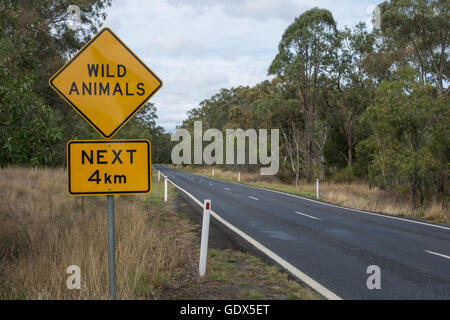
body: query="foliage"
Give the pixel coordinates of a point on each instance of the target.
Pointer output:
(143, 126)
(351, 104)
(416, 33)
(28, 126)
(35, 123)
(28, 131)
(354, 104)
(410, 131)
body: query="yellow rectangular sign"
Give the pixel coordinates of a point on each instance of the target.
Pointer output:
(97, 167)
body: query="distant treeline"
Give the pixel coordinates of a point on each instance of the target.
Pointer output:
(35, 123)
(354, 104)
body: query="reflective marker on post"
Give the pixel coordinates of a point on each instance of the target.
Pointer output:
(205, 234)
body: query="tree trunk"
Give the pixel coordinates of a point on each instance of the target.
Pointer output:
(441, 71)
(322, 169)
(308, 144)
(308, 166)
(414, 193)
(349, 149)
(422, 191)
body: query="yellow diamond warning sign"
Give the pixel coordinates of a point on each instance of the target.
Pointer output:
(108, 167)
(106, 83)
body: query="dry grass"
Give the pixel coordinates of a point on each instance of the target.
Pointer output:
(246, 177)
(266, 282)
(235, 275)
(356, 195)
(43, 231)
(361, 196)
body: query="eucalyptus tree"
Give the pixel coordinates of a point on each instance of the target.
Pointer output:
(304, 53)
(410, 137)
(286, 116)
(34, 43)
(350, 87)
(418, 32)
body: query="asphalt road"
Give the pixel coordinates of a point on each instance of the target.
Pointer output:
(333, 245)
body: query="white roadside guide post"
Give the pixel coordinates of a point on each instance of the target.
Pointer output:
(205, 234)
(317, 188)
(239, 176)
(213, 172)
(159, 175)
(165, 188)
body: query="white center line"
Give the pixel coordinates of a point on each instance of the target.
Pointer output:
(227, 189)
(211, 184)
(253, 198)
(307, 215)
(438, 254)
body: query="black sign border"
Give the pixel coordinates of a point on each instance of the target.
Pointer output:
(149, 189)
(78, 110)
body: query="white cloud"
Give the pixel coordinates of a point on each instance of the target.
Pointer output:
(256, 9)
(198, 47)
(176, 46)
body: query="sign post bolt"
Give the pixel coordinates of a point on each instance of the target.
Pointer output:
(205, 234)
(111, 251)
(165, 188)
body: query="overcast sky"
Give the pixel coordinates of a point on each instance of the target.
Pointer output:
(198, 47)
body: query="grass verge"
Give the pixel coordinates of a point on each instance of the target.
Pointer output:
(43, 231)
(237, 275)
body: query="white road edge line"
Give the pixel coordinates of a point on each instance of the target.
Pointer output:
(332, 205)
(227, 189)
(438, 254)
(289, 267)
(253, 198)
(307, 215)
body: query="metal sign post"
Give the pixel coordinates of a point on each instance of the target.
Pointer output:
(111, 248)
